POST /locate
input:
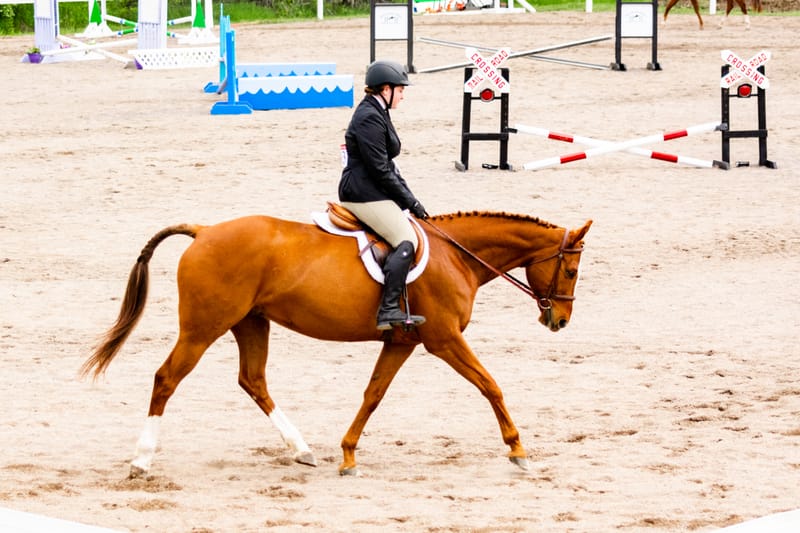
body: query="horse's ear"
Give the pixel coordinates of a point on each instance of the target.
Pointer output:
(578, 234)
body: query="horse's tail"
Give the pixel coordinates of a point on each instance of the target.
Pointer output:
(133, 302)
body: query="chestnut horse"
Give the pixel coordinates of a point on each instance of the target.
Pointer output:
(243, 274)
(729, 7)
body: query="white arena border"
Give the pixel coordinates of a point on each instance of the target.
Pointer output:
(12, 521)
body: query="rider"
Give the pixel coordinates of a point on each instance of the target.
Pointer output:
(372, 188)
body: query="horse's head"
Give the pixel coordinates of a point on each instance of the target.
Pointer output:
(553, 279)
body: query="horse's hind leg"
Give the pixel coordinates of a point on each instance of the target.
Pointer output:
(743, 7)
(252, 336)
(697, 12)
(181, 361)
(389, 361)
(670, 5)
(728, 8)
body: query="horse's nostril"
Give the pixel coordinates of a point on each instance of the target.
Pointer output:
(562, 323)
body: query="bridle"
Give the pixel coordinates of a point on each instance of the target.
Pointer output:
(544, 302)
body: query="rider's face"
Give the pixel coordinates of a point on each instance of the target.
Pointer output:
(398, 95)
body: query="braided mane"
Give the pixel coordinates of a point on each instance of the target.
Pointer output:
(490, 214)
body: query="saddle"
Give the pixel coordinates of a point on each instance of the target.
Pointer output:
(343, 218)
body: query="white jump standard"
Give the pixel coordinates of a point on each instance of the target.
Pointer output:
(149, 45)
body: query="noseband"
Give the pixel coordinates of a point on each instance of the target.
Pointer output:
(544, 302)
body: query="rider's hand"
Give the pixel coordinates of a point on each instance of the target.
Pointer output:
(418, 210)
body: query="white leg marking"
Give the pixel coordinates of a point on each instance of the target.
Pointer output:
(146, 445)
(291, 436)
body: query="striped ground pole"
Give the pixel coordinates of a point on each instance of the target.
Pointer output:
(599, 147)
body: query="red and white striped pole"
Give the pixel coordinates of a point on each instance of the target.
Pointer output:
(604, 147)
(592, 142)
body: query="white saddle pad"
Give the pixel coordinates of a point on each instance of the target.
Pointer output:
(321, 219)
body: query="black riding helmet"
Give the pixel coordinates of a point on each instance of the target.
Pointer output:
(382, 72)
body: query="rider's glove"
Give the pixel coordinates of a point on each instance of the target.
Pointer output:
(418, 210)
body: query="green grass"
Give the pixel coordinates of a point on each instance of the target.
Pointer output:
(574, 5)
(288, 10)
(73, 16)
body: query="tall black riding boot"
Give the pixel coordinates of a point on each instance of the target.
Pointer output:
(395, 271)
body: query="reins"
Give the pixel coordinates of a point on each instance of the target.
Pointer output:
(542, 302)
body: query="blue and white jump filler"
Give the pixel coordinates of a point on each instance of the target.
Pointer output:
(265, 86)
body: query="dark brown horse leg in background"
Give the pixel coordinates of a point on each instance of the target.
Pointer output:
(694, 5)
(391, 358)
(252, 337)
(729, 7)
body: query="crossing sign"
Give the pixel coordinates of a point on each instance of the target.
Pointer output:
(745, 69)
(486, 70)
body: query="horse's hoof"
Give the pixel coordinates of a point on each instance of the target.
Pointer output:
(137, 472)
(306, 458)
(521, 462)
(352, 471)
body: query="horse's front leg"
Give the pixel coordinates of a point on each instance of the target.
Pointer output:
(389, 361)
(459, 355)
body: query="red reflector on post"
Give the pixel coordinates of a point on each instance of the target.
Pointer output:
(487, 95)
(744, 90)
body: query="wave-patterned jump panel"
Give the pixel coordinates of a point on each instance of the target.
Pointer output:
(261, 70)
(297, 92)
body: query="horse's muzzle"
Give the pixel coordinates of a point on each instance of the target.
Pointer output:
(550, 322)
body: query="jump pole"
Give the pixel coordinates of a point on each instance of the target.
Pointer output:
(77, 47)
(623, 146)
(523, 53)
(535, 57)
(592, 142)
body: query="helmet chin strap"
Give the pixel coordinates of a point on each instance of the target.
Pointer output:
(391, 99)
